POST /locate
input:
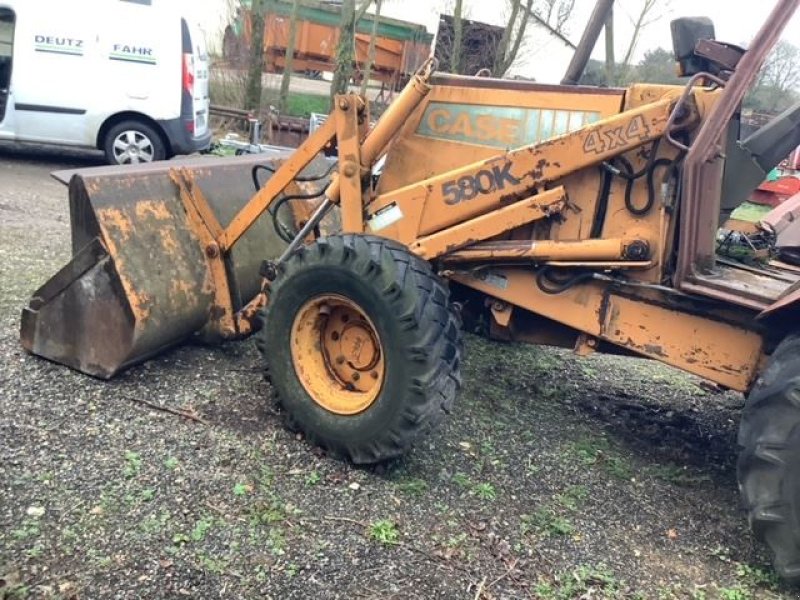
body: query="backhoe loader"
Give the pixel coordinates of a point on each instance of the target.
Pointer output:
(568, 215)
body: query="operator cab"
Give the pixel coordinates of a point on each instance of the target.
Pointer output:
(743, 254)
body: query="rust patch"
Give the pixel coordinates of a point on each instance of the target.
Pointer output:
(182, 293)
(115, 220)
(152, 208)
(169, 242)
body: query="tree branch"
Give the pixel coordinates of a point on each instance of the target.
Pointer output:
(362, 10)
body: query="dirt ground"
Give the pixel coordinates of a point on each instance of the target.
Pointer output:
(554, 478)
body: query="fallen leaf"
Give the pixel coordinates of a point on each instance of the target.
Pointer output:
(35, 511)
(672, 534)
(68, 590)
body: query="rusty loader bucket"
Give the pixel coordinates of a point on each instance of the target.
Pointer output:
(139, 280)
(166, 250)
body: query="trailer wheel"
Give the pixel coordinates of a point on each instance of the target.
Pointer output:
(769, 462)
(133, 142)
(361, 346)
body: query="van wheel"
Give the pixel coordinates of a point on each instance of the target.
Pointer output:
(133, 142)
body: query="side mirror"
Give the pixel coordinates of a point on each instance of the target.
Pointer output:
(686, 33)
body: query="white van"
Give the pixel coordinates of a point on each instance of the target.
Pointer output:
(129, 77)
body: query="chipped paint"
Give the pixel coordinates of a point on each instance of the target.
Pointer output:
(152, 208)
(115, 220)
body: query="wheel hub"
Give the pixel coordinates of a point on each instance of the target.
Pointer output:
(337, 354)
(132, 147)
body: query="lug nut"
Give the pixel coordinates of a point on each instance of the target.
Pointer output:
(374, 374)
(356, 376)
(340, 360)
(335, 336)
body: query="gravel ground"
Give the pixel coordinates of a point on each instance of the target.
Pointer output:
(554, 478)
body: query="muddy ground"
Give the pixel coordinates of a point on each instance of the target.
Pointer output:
(554, 478)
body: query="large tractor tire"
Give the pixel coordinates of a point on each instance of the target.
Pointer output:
(361, 346)
(769, 462)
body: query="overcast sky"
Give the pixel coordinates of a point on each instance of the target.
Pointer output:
(736, 20)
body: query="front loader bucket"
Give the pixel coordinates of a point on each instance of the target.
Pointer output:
(139, 281)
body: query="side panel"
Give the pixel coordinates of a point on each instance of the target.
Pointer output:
(73, 73)
(55, 56)
(722, 349)
(456, 126)
(140, 51)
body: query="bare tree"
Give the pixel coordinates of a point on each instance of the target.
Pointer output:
(371, 51)
(252, 98)
(611, 63)
(513, 35)
(777, 85)
(458, 37)
(650, 11)
(283, 97)
(556, 13)
(345, 50)
(362, 10)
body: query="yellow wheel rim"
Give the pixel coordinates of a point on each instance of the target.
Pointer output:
(337, 354)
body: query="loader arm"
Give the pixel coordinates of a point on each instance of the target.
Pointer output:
(449, 211)
(416, 213)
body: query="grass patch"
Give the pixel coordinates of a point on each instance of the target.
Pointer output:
(485, 491)
(384, 531)
(597, 451)
(734, 593)
(266, 513)
(133, 464)
(582, 582)
(230, 91)
(676, 475)
(547, 522)
(461, 480)
(573, 497)
(302, 105)
(757, 577)
(413, 487)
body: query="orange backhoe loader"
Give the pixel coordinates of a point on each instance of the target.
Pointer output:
(583, 217)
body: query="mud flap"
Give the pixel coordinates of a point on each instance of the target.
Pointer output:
(139, 280)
